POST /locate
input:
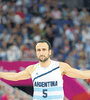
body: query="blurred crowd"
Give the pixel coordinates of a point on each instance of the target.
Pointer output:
(10, 93)
(24, 22)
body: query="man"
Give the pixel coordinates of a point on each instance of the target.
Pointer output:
(47, 74)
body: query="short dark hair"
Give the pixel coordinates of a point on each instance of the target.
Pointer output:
(44, 41)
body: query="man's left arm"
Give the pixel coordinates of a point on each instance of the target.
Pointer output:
(74, 73)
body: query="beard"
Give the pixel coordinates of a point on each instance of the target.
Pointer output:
(45, 59)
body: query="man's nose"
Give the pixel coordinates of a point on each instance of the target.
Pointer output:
(41, 52)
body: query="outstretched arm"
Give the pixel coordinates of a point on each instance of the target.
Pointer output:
(74, 73)
(26, 74)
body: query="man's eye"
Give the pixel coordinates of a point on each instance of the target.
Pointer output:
(38, 50)
(44, 49)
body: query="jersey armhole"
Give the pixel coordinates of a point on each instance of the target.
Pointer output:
(35, 67)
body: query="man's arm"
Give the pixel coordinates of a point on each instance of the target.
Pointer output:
(74, 73)
(26, 74)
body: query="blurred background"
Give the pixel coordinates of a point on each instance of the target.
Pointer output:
(64, 23)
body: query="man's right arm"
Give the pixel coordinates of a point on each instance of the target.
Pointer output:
(26, 74)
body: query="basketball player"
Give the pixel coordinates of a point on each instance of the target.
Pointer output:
(47, 74)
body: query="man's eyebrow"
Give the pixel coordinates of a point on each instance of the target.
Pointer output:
(41, 48)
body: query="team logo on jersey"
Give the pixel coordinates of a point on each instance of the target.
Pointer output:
(46, 84)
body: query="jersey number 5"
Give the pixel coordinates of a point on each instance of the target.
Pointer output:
(44, 93)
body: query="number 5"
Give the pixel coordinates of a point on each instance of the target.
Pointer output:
(44, 93)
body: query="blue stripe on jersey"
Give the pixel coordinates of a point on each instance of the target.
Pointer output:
(49, 97)
(45, 73)
(48, 88)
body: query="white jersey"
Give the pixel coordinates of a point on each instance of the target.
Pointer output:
(48, 82)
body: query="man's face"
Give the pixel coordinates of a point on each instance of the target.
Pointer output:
(42, 52)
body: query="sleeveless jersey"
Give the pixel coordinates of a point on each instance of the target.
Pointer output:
(47, 82)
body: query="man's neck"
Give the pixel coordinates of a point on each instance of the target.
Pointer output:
(46, 63)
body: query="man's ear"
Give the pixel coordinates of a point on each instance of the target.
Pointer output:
(50, 52)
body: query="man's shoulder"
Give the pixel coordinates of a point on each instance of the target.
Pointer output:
(63, 64)
(31, 68)
(34, 65)
(60, 63)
